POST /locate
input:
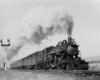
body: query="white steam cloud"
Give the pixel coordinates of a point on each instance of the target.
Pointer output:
(38, 25)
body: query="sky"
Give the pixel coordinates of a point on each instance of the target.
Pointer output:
(86, 17)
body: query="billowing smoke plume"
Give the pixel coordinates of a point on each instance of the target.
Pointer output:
(38, 25)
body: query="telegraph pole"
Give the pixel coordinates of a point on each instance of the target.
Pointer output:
(5, 47)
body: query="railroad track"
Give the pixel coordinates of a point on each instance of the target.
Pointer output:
(83, 72)
(74, 72)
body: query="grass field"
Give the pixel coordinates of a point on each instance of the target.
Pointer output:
(40, 75)
(95, 66)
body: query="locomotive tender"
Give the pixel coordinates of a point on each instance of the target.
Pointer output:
(65, 55)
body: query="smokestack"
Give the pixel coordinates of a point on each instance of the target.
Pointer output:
(69, 39)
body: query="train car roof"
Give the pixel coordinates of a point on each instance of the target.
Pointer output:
(49, 47)
(31, 54)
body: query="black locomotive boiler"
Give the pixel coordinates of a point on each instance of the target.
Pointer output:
(65, 55)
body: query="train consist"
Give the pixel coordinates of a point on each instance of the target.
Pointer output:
(65, 55)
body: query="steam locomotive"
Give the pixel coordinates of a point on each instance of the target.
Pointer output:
(65, 55)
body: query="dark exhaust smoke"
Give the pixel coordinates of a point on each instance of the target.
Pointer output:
(38, 25)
